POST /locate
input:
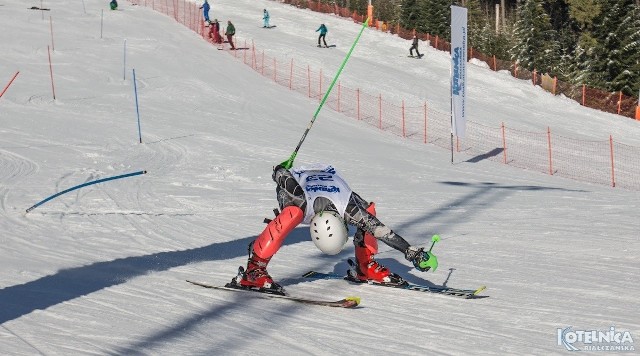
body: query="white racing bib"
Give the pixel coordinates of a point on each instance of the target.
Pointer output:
(321, 180)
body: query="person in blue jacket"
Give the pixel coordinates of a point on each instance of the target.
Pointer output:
(323, 33)
(265, 18)
(205, 10)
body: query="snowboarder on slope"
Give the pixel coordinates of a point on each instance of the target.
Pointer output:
(265, 19)
(414, 45)
(323, 33)
(317, 195)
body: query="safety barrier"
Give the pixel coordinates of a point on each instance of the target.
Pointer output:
(602, 162)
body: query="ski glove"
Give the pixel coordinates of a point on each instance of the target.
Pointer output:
(421, 259)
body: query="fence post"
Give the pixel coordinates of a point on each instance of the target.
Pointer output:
(262, 63)
(275, 70)
(619, 102)
(613, 175)
(309, 79)
(495, 66)
(338, 96)
(403, 127)
(504, 145)
(584, 92)
(534, 77)
(549, 144)
(358, 101)
(320, 86)
(425, 122)
(11, 81)
(291, 75)
(380, 110)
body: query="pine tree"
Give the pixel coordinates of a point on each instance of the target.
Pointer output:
(535, 44)
(626, 76)
(438, 18)
(616, 51)
(413, 15)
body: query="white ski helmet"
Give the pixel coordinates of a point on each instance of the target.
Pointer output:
(329, 232)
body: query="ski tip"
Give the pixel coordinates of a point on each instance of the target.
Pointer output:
(309, 274)
(356, 300)
(479, 290)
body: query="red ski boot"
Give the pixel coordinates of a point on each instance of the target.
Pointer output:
(367, 269)
(257, 277)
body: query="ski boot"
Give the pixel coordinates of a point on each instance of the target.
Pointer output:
(256, 277)
(366, 269)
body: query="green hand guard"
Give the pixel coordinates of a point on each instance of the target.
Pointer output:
(431, 263)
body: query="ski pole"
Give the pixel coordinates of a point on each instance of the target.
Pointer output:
(435, 238)
(289, 162)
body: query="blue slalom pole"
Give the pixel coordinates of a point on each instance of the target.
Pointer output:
(84, 185)
(135, 90)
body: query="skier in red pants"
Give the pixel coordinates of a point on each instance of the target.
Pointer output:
(317, 195)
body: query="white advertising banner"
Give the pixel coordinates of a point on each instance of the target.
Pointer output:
(458, 69)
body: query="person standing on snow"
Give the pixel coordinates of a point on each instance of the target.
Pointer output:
(317, 195)
(214, 31)
(205, 11)
(265, 19)
(229, 32)
(414, 45)
(323, 33)
(113, 5)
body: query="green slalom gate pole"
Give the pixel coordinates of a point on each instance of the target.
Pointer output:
(289, 162)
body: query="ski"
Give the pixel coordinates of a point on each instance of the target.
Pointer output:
(455, 292)
(348, 302)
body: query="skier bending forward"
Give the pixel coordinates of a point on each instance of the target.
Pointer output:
(317, 195)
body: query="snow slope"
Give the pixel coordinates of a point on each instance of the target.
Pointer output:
(101, 270)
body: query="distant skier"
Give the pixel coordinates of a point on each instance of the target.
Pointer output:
(318, 196)
(113, 5)
(229, 32)
(414, 45)
(214, 32)
(205, 11)
(323, 33)
(265, 19)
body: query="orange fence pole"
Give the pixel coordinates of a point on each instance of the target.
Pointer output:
(638, 112)
(309, 79)
(320, 86)
(291, 75)
(403, 128)
(619, 102)
(504, 145)
(380, 110)
(7, 86)
(425, 122)
(549, 144)
(613, 174)
(338, 96)
(358, 101)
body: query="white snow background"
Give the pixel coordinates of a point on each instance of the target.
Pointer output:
(102, 269)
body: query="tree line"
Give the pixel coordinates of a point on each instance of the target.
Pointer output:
(591, 42)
